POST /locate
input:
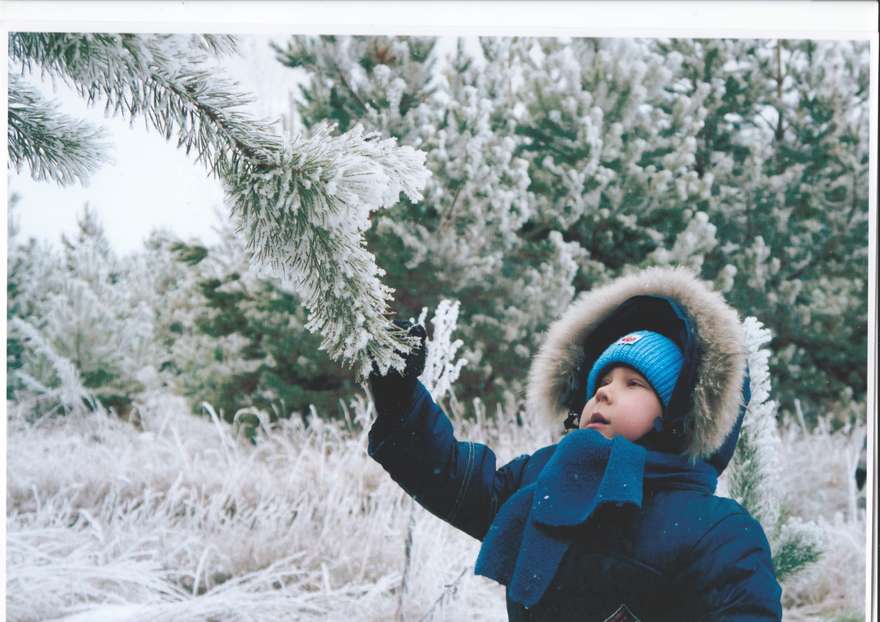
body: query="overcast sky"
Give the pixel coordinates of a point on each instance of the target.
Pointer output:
(150, 183)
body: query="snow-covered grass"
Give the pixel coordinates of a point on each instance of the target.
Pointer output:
(818, 475)
(189, 521)
(184, 519)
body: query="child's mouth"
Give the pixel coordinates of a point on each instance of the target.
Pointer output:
(597, 418)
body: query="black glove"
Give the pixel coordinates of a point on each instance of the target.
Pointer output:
(392, 391)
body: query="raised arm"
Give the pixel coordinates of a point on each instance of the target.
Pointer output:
(413, 440)
(454, 480)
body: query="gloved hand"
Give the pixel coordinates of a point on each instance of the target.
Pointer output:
(392, 390)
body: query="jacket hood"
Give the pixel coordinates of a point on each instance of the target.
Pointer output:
(674, 301)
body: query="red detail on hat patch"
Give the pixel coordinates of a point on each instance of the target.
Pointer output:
(623, 614)
(629, 339)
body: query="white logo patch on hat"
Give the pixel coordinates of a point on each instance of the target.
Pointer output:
(629, 340)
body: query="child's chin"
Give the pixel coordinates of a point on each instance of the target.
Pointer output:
(601, 428)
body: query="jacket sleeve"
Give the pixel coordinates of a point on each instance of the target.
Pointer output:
(733, 572)
(454, 480)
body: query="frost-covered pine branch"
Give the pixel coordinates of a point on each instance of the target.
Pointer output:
(305, 213)
(165, 80)
(303, 204)
(53, 145)
(753, 477)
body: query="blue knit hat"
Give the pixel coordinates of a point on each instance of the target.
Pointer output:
(653, 355)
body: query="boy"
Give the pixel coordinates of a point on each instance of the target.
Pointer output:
(617, 521)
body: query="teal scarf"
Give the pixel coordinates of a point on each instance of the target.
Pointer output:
(524, 544)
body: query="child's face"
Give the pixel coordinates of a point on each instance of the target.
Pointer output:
(624, 405)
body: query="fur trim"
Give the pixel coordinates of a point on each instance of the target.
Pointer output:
(718, 389)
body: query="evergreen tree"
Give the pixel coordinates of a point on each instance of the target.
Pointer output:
(53, 145)
(237, 338)
(454, 242)
(15, 268)
(555, 165)
(558, 164)
(783, 149)
(80, 306)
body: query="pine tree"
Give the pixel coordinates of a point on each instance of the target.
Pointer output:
(559, 164)
(77, 306)
(783, 149)
(16, 265)
(555, 165)
(456, 241)
(238, 338)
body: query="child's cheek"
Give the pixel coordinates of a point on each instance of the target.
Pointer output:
(582, 421)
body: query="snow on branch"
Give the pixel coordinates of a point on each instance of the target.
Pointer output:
(305, 213)
(53, 145)
(303, 205)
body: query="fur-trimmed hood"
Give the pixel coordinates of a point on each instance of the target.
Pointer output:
(710, 398)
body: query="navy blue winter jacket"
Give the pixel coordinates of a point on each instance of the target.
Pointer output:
(684, 554)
